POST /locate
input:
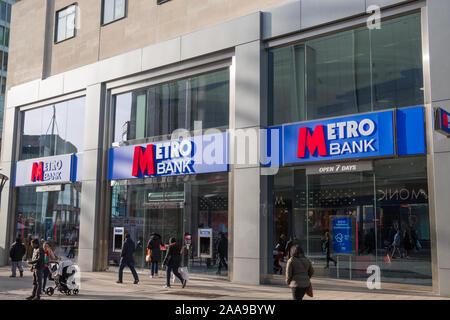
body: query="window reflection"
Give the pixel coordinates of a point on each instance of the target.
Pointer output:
(53, 130)
(160, 110)
(355, 71)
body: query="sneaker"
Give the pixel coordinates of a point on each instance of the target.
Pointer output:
(11, 276)
(156, 275)
(118, 281)
(167, 287)
(36, 298)
(30, 298)
(184, 283)
(136, 282)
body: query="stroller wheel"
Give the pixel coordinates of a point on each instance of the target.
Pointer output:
(69, 292)
(75, 292)
(50, 291)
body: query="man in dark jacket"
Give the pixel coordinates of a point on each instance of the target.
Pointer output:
(172, 262)
(127, 259)
(222, 251)
(16, 253)
(154, 245)
(37, 267)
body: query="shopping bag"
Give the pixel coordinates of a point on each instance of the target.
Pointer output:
(185, 273)
(148, 257)
(418, 245)
(387, 259)
(175, 279)
(309, 291)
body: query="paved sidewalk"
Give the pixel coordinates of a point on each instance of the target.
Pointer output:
(101, 285)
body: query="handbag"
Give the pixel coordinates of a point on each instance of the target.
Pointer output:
(148, 257)
(309, 291)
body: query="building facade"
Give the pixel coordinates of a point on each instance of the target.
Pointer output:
(191, 119)
(5, 21)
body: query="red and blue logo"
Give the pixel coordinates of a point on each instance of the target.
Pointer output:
(359, 136)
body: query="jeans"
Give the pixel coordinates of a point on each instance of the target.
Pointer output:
(154, 267)
(37, 283)
(14, 265)
(298, 293)
(129, 265)
(175, 272)
(44, 278)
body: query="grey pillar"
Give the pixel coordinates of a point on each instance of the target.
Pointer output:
(436, 26)
(92, 180)
(248, 228)
(7, 216)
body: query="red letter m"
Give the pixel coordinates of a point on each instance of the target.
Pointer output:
(145, 161)
(313, 142)
(37, 172)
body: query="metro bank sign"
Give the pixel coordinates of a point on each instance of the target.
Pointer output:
(51, 170)
(354, 137)
(192, 155)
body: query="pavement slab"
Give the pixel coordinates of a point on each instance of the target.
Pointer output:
(102, 286)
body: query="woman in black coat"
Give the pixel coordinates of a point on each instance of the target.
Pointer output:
(154, 245)
(172, 262)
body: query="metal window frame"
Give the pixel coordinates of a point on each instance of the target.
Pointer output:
(102, 16)
(55, 40)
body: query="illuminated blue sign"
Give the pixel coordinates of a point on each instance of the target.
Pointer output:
(342, 235)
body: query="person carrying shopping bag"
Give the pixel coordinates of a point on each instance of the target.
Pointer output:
(172, 263)
(299, 271)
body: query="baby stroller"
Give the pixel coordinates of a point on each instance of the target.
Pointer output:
(61, 277)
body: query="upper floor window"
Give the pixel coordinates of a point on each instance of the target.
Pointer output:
(53, 130)
(65, 23)
(113, 10)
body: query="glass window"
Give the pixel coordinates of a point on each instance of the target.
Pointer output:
(3, 85)
(3, 10)
(355, 71)
(5, 61)
(6, 37)
(53, 130)
(2, 35)
(8, 13)
(171, 208)
(51, 216)
(65, 23)
(393, 198)
(113, 10)
(162, 109)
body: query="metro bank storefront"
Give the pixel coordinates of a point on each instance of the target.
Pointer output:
(346, 142)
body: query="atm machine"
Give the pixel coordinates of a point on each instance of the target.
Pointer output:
(118, 238)
(205, 243)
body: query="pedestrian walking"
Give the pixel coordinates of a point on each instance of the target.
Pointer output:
(326, 245)
(48, 256)
(127, 259)
(222, 250)
(172, 262)
(154, 245)
(299, 271)
(396, 244)
(293, 241)
(16, 254)
(407, 243)
(37, 266)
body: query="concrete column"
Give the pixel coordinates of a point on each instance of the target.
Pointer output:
(7, 217)
(246, 116)
(92, 180)
(436, 29)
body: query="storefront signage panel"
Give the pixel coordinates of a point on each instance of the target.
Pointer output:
(51, 170)
(346, 167)
(193, 155)
(342, 236)
(359, 136)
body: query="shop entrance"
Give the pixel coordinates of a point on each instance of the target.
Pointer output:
(390, 198)
(173, 207)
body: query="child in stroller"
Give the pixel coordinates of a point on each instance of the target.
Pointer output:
(61, 277)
